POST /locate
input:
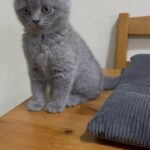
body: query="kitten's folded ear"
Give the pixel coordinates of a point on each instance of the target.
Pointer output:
(67, 2)
(18, 4)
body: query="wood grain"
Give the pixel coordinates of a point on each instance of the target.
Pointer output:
(23, 130)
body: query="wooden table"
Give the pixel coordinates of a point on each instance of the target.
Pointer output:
(23, 130)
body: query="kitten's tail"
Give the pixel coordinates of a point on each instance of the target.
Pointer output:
(110, 83)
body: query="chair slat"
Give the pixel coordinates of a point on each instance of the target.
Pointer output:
(122, 41)
(129, 26)
(139, 26)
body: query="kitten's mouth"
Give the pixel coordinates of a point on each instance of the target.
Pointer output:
(38, 27)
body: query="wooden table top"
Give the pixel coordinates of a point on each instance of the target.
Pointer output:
(23, 130)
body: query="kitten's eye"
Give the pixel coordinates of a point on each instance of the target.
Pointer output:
(47, 10)
(26, 11)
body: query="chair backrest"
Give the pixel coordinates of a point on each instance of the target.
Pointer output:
(129, 26)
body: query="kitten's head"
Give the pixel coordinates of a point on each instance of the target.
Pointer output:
(41, 14)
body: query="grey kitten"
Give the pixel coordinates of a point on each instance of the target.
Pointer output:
(57, 56)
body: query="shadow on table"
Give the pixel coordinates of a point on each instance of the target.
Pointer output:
(88, 138)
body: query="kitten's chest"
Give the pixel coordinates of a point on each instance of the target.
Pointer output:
(36, 50)
(43, 52)
(34, 45)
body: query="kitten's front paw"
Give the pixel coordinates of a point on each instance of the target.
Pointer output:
(54, 107)
(35, 106)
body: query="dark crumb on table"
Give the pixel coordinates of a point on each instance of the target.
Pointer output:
(68, 132)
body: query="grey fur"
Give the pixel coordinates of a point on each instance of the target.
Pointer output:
(57, 55)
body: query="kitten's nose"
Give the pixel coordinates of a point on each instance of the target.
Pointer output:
(36, 21)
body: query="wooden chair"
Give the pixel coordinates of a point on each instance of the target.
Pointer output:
(129, 26)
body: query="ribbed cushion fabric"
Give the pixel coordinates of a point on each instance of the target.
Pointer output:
(125, 116)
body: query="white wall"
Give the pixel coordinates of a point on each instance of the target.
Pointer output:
(95, 20)
(14, 85)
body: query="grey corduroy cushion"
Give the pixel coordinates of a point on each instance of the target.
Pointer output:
(125, 116)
